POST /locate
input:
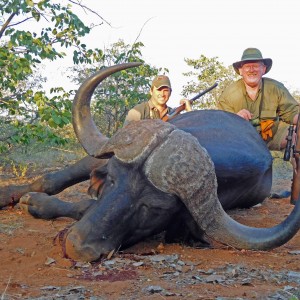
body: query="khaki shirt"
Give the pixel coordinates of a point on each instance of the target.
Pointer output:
(277, 103)
(144, 110)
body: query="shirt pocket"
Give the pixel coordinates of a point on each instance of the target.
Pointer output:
(268, 114)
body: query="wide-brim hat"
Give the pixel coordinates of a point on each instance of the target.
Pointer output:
(252, 55)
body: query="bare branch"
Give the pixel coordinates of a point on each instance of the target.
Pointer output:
(43, 15)
(20, 22)
(142, 30)
(6, 24)
(5, 100)
(79, 3)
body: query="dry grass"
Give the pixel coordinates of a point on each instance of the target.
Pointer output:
(9, 223)
(7, 285)
(34, 160)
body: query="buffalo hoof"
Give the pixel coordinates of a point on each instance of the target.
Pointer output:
(4, 201)
(41, 205)
(10, 195)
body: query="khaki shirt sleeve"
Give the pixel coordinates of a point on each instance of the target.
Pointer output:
(224, 104)
(288, 106)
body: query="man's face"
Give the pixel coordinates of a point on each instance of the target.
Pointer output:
(252, 73)
(160, 96)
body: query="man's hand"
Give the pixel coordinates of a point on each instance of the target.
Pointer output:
(295, 120)
(245, 114)
(187, 103)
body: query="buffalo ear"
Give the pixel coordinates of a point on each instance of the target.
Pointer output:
(97, 180)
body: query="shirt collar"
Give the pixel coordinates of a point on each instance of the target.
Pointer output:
(152, 107)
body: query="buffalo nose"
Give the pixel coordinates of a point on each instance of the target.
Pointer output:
(77, 250)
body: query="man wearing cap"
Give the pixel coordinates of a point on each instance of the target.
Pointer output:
(265, 102)
(156, 107)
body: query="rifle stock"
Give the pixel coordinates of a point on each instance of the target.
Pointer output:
(176, 111)
(296, 169)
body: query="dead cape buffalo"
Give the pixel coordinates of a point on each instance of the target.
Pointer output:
(154, 176)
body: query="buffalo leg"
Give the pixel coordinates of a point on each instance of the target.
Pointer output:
(43, 206)
(52, 183)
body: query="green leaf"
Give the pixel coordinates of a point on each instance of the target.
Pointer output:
(36, 15)
(29, 3)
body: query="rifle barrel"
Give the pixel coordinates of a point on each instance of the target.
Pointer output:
(177, 110)
(288, 148)
(295, 190)
(204, 92)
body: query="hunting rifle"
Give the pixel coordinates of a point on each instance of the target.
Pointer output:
(295, 189)
(175, 111)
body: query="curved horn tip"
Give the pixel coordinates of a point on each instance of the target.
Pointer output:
(133, 64)
(130, 64)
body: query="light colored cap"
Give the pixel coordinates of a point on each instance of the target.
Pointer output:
(160, 81)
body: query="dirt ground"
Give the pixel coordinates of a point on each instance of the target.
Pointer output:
(33, 266)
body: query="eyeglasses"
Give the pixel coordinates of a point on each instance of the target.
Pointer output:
(255, 67)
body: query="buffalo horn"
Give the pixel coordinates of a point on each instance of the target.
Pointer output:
(84, 126)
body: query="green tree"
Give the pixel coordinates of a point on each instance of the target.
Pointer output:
(206, 71)
(296, 95)
(24, 108)
(121, 91)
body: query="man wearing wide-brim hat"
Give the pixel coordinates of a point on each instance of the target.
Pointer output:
(264, 102)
